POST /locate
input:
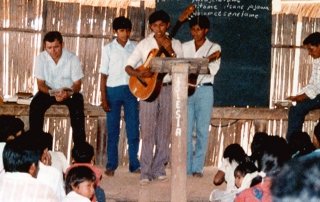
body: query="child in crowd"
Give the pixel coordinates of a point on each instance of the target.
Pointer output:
(83, 155)
(244, 173)
(233, 155)
(80, 182)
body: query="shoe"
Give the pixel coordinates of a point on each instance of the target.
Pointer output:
(137, 171)
(144, 182)
(109, 172)
(162, 178)
(197, 174)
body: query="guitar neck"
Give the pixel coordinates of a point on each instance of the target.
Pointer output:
(175, 29)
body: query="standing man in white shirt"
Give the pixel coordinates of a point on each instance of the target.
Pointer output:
(58, 73)
(309, 97)
(201, 102)
(115, 94)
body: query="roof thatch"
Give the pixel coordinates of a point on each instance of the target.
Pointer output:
(310, 10)
(112, 3)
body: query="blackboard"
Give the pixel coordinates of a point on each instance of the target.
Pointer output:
(243, 30)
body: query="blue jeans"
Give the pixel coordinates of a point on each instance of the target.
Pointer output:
(121, 96)
(199, 116)
(297, 114)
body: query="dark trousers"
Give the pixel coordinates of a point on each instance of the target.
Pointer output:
(41, 102)
(297, 114)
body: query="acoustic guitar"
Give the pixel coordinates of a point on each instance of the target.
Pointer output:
(192, 78)
(148, 88)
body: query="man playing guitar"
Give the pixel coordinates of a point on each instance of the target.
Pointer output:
(155, 116)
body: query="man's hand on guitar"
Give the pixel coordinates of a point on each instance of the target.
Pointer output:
(146, 72)
(214, 56)
(168, 46)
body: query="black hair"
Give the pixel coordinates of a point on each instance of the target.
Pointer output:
(159, 15)
(297, 181)
(316, 131)
(257, 147)
(82, 152)
(77, 175)
(313, 39)
(276, 153)
(244, 168)
(201, 20)
(300, 144)
(53, 35)
(42, 139)
(20, 153)
(235, 152)
(10, 125)
(121, 23)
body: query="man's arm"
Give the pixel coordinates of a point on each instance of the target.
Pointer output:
(103, 90)
(297, 98)
(76, 87)
(42, 86)
(145, 72)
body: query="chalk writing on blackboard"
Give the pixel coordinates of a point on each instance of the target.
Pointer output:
(226, 8)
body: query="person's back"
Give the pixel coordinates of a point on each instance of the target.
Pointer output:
(20, 158)
(300, 144)
(298, 181)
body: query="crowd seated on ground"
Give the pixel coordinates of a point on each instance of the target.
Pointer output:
(28, 174)
(277, 170)
(262, 176)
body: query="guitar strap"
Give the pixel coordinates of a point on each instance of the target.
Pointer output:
(205, 57)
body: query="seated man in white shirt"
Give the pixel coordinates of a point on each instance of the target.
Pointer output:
(21, 162)
(47, 174)
(309, 97)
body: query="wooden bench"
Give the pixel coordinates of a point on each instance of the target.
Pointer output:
(228, 125)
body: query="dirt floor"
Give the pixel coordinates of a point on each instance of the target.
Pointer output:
(125, 187)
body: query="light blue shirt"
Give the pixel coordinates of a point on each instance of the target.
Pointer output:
(113, 62)
(63, 74)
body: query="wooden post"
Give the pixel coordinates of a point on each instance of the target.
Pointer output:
(179, 132)
(180, 69)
